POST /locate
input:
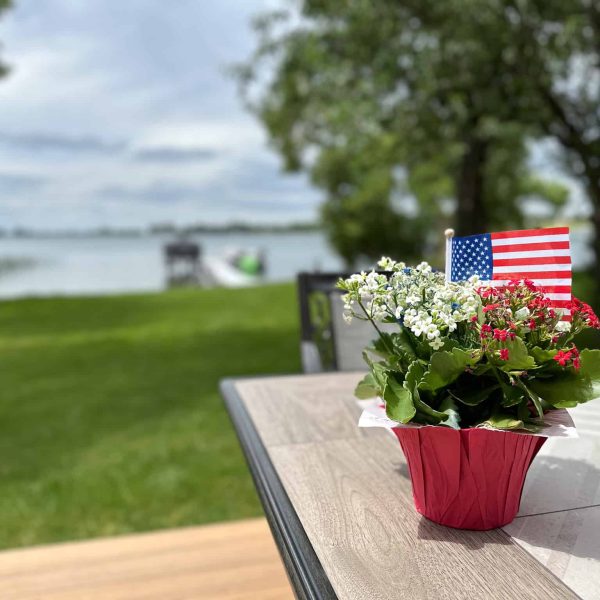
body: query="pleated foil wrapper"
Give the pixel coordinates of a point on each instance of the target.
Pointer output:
(467, 478)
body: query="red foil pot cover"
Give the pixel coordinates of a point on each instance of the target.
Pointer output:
(467, 478)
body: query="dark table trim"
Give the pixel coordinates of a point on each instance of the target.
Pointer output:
(304, 569)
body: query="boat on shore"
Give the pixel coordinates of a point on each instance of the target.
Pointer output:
(186, 264)
(236, 268)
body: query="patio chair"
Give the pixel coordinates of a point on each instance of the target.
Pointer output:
(328, 343)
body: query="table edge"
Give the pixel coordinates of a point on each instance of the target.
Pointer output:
(306, 574)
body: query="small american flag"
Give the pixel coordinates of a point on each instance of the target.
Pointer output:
(540, 255)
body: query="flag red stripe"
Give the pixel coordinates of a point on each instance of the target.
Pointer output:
(532, 275)
(561, 303)
(555, 289)
(533, 246)
(566, 316)
(533, 260)
(545, 289)
(530, 232)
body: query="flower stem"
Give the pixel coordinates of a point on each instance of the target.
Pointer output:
(370, 318)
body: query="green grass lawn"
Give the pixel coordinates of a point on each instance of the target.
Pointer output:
(110, 417)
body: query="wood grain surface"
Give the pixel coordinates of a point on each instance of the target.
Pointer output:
(351, 491)
(297, 409)
(231, 561)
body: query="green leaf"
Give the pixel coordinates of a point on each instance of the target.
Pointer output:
(480, 314)
(511, 394)
(444, 368)
(473, 397)
(449, 344)
(590, 365)
(398, 402)
(403, 343)
(414, 375)
(411, 383)
(571, 387)
(367, 387)
(378, 370)
(537, 401)
(424, 419)
(504, 421)
(542, 356)
(481, 369)
(383, 346)
(449, 407)
(523, 412)
(424, 350)
(518, 357)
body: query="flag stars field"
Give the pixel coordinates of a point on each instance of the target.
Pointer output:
(540, 255)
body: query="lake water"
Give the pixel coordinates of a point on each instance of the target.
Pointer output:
(104, 265)
(65, 266)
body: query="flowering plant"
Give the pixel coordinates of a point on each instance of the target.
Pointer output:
(468, 354)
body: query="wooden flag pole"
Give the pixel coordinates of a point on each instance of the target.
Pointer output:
(449, 233)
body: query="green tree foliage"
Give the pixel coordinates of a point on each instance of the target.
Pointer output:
(384, 102)
(4, 6)
(557, 68)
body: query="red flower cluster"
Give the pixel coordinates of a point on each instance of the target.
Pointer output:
(585, 313)
(539, 305)
(521, 309)
(503, 334)
(567, 358)
(487, 292)
(501, 303)
(500, 335)
(485, 330)
(489, 307)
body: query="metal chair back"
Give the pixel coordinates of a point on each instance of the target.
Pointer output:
(328, 343)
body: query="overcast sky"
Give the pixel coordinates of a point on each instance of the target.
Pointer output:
(119, 113)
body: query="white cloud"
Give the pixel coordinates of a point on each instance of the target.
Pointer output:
(98, 83)
(232, 136)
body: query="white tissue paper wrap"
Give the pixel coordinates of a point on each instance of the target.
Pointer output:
(558, 423)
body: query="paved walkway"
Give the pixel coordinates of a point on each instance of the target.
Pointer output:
(230, 561)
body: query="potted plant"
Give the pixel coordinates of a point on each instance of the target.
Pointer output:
(474, 371)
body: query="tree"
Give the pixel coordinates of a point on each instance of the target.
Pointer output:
(4, 6)
(558, 49)
(384, 102)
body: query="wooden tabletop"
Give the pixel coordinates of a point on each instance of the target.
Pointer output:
(339, 502)
(172, 564)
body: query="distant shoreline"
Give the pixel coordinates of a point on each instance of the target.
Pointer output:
(169, 230)
(159, 231)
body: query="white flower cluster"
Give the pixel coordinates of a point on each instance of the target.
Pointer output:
(417, 298)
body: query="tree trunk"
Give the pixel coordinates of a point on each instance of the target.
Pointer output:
(593, 190)
(471, 215)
